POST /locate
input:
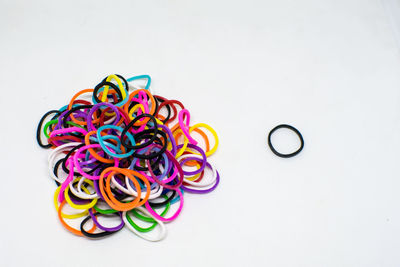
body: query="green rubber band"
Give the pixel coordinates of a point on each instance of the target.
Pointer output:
(107, 211)
(47, 125)
(145, 218)
(142, 217)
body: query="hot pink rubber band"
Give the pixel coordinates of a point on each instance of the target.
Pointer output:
(68, 130)
(78, 167)
(173, 217)
(67, 181)
(185, 128)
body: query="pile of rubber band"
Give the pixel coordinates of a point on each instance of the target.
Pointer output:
(124, 152)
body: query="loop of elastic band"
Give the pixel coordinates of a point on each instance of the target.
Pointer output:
(290, 128)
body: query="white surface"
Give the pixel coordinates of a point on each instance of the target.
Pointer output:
(392, 8)
(330, 68)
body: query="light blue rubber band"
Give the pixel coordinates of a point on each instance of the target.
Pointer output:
(105, 148)
(94, 139)
(145, 76)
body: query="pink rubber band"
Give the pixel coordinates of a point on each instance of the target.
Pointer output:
(67, 181)
(173, 217)
(68, 130)
(185, 128)
(78, 167)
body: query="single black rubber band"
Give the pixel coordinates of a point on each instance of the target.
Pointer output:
(113, 86)
(97, 235)
(130, 125)
(123, 79)
(167, 106)
(39, 128)
(64, 165)
(290, 128)
(55, 170)
(144, 135)
(133, 103)
(73, 109)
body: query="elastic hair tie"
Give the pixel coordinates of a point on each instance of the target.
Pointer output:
(69, 228)
(67, 114)
(96, 235)
(162, 234)
(102, 86)
(169, 102)
(172, 217)
(145, 218)
(202, 191)
(108, 196)
(79, 168)
(98, 106)
(290, 128)
(118, 78)
(130, 125)
(203, 156)
(63, 215)
(109, 229)
(185, 128)
(145, 76)
(212, 131)
(38, 130)
(106, 149)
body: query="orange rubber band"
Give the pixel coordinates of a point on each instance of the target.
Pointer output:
(69, 228)
(151, 111)
(91, 150)
(72, 101)
(109, 197)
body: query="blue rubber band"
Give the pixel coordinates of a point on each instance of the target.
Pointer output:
(145, 76)
(105, 148)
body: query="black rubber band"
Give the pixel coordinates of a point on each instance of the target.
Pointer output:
(167, 106)
(290, 128)
(165, 202)
(39, 128)
(63, 165)
(55, 170)
(73, 109)
(113, 86)
(97, 235)
(123, 79)
(144, 135)
(154, 130)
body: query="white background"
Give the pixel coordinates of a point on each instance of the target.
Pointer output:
(330, 68)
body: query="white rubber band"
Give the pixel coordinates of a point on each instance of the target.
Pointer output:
(201, 183)
(163, 229)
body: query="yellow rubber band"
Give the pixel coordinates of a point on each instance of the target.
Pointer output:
(68, 216)
(134, 108)
(121, 87)
(213, 132)
(192, 178)
(76, 206)
(185, 143)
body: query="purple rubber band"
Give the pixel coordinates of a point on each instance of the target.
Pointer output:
(107, 229)
(89, 120)
(198, 191)
(203, 165)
